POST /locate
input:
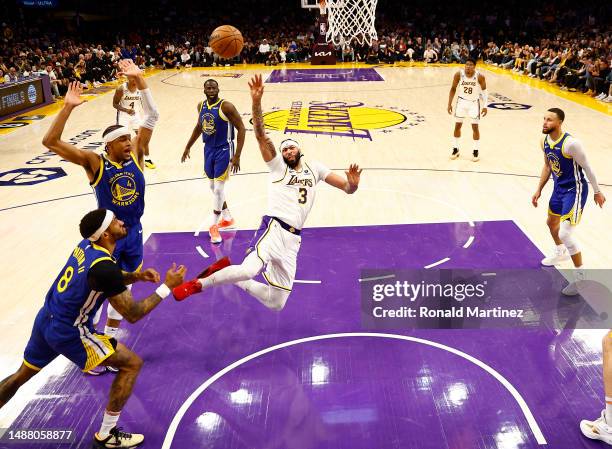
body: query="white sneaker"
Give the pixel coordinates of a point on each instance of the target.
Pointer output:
(559, 255)
(118, 439)
(570, 289)
(598, 429)
(600, 96)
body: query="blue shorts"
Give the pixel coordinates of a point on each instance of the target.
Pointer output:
(129, 250)
(50, 338)
(567, 204)
(216, 162)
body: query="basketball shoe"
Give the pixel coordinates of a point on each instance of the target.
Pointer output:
(455, 153)
(475, 157)
(224, 224)
(150, 164)
(215, 237)
(559, 255)
(194, 286)
(598, 429)
(118, 439)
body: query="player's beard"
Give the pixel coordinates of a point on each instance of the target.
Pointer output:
(547, 131)
(293, 164)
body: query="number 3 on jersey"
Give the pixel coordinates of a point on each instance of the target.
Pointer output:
(65, 279)
(303, 193)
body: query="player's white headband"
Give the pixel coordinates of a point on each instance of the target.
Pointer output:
(288, 143)
(103, 227)
(116, 133)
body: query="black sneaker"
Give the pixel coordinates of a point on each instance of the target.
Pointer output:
(475, 157)
(118, 439)
(150, 164)
(455, 153)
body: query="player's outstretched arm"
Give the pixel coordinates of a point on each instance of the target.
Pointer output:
(133, 310)
(350, 184)
(452, 91)
(89, 160)
(233, 116)
(148, 275)
(268, 152)
(145, 131)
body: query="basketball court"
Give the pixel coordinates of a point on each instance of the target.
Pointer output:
(222, 371)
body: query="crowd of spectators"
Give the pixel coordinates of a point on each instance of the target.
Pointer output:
(559, 43)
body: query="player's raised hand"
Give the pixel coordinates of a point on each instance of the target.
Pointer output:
(149, 275)
(353, 175)
(128, 68)
(175, 276)
(257, 87)
(73, 96)
(600, 199)
(535, 198)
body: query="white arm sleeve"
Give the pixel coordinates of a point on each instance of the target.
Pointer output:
(574, 149)
(149, 108)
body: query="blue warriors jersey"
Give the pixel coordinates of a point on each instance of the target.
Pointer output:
(120, 187)
(567, 174)
(217, 130)
(70, 300)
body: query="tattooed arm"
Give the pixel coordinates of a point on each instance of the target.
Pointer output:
(133, 310)
(268, 152)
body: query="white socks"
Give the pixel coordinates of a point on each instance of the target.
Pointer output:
(456, 145)
(108, 422)
(476, 145)
(608, 410)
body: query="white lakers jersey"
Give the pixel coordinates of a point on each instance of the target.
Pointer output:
(291, 193)
(131, 100)
(469, 88)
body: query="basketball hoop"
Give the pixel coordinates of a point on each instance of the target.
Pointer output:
(350, 20)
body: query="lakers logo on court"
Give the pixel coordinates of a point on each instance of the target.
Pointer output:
(354, 120)
(123, 188)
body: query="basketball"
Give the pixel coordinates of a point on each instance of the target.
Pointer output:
(226, 41)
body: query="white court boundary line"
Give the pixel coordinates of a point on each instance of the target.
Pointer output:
(469, 241)
(535, 429)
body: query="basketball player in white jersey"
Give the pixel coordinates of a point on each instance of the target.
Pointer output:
(471, 104)
(127, 102)
(275, 246)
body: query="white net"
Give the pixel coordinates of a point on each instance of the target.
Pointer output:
(351, 20)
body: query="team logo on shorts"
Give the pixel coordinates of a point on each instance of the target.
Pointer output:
(208, 124)
(353, 120)
(555, 165)
(123, 189)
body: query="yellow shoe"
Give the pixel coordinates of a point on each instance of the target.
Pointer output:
(149, 164)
